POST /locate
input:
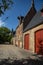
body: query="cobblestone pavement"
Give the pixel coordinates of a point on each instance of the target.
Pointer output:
(11, 55)
(10, 51)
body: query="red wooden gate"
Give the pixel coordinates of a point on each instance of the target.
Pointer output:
(26, 41)
(39, 42)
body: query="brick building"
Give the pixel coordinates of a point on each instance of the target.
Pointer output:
(19, 32)
(33, 31)
(29, 32)
(33, 34)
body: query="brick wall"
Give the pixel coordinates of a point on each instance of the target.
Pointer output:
(19, 34)
(32, 37)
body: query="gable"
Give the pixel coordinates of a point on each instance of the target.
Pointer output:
(29, 16)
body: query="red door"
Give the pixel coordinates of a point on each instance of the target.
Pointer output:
(39, 42)
(26, 41)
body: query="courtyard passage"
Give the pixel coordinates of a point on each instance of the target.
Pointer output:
(12, 52)
(11, 55)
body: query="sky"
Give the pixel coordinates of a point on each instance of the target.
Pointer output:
(20, 8)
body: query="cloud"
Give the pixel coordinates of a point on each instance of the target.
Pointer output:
(2, 23)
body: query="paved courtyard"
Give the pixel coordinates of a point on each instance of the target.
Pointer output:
(10, 51)
(11, 55)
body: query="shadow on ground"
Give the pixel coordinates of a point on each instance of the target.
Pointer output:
(21, 62)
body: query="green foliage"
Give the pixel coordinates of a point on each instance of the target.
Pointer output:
(5, 35)
(4, 5)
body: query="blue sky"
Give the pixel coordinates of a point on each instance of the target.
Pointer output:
(20, 8)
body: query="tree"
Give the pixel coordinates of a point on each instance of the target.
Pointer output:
(5, 35)
(5, 5)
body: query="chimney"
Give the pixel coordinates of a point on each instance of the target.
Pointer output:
(20, 18)
(33, 3)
